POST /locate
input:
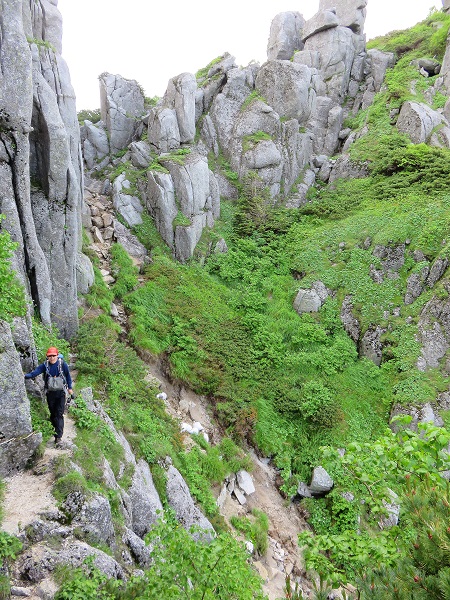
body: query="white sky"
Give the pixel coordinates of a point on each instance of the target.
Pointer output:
(152, 41)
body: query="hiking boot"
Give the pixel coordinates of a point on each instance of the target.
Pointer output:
(57, 440)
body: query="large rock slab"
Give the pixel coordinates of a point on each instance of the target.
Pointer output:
(145, 502)
(418, 121)
(186, 511)
(285, 36)
(95, 143)
(287, 89)
(180, 96)
(121, 104)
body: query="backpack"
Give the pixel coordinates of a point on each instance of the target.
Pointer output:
(55, 383)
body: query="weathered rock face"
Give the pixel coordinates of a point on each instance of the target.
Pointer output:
(17, 441)
(122, 104)
(420, 123)
(351, 13)
(184, 507)
(188, 191)
(40, 142)
(285, 36)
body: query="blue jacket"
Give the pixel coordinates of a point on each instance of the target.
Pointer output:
(53, 370)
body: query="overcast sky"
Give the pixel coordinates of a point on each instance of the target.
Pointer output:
(154, 41)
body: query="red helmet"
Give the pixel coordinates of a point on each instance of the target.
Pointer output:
(52, 350)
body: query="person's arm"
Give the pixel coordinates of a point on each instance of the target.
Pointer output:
(38, 371)
(68, 377)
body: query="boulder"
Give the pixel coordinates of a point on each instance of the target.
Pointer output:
(139, 550)
(311, 300)
(186, 512)
(95, 143)
(287, 88)
(130, 242)
(245, 482)
(370, 344)
(285, 36)
(85, 273)
(92, 516)
(415, 284)
(349, 321)
(392, 507)
(379, 63)
(351, 13)
(37, 562)
(122, 104)
(145, 503)
(418, 121)
(163, 131)
(161, 204)
(140, 154)
(129, 207)
(321, 482)
(324, 19)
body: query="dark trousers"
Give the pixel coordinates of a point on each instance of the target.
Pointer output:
(56, 403)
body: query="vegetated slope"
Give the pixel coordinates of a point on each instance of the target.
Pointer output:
(291, 383)
(226, 324)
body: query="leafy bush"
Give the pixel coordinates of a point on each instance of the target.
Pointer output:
(123, 270)
(93, 116)
(12, 299)
(256, 529)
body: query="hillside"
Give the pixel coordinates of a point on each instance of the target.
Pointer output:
(254, 296)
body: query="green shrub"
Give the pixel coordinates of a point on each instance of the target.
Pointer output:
(12, 299)
(93, 116)
(256, 529)
(123, 270)
(69, 484)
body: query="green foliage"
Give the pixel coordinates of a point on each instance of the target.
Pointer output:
(123, 270)
(256, 529)
(41, 43)
(431, 40)
(40, 418)
(423, 571)
(100, 295)
(68, 484)
(181, 220)
(203, 73)
(9, 547)
(118, 376)
(252, 97)
(87, 583)
(220, 570)
(398, 462)
(92, 115)
(250, 141)
(318, 404)
(45, 337)
(12, 299)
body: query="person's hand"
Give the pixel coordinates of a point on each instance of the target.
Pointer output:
(70, 391)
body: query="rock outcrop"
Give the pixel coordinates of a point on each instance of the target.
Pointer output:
(17, 440)
(40, 160)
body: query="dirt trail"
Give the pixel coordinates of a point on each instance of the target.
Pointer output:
(28, 493)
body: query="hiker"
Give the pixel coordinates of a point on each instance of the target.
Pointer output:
(57, 380)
